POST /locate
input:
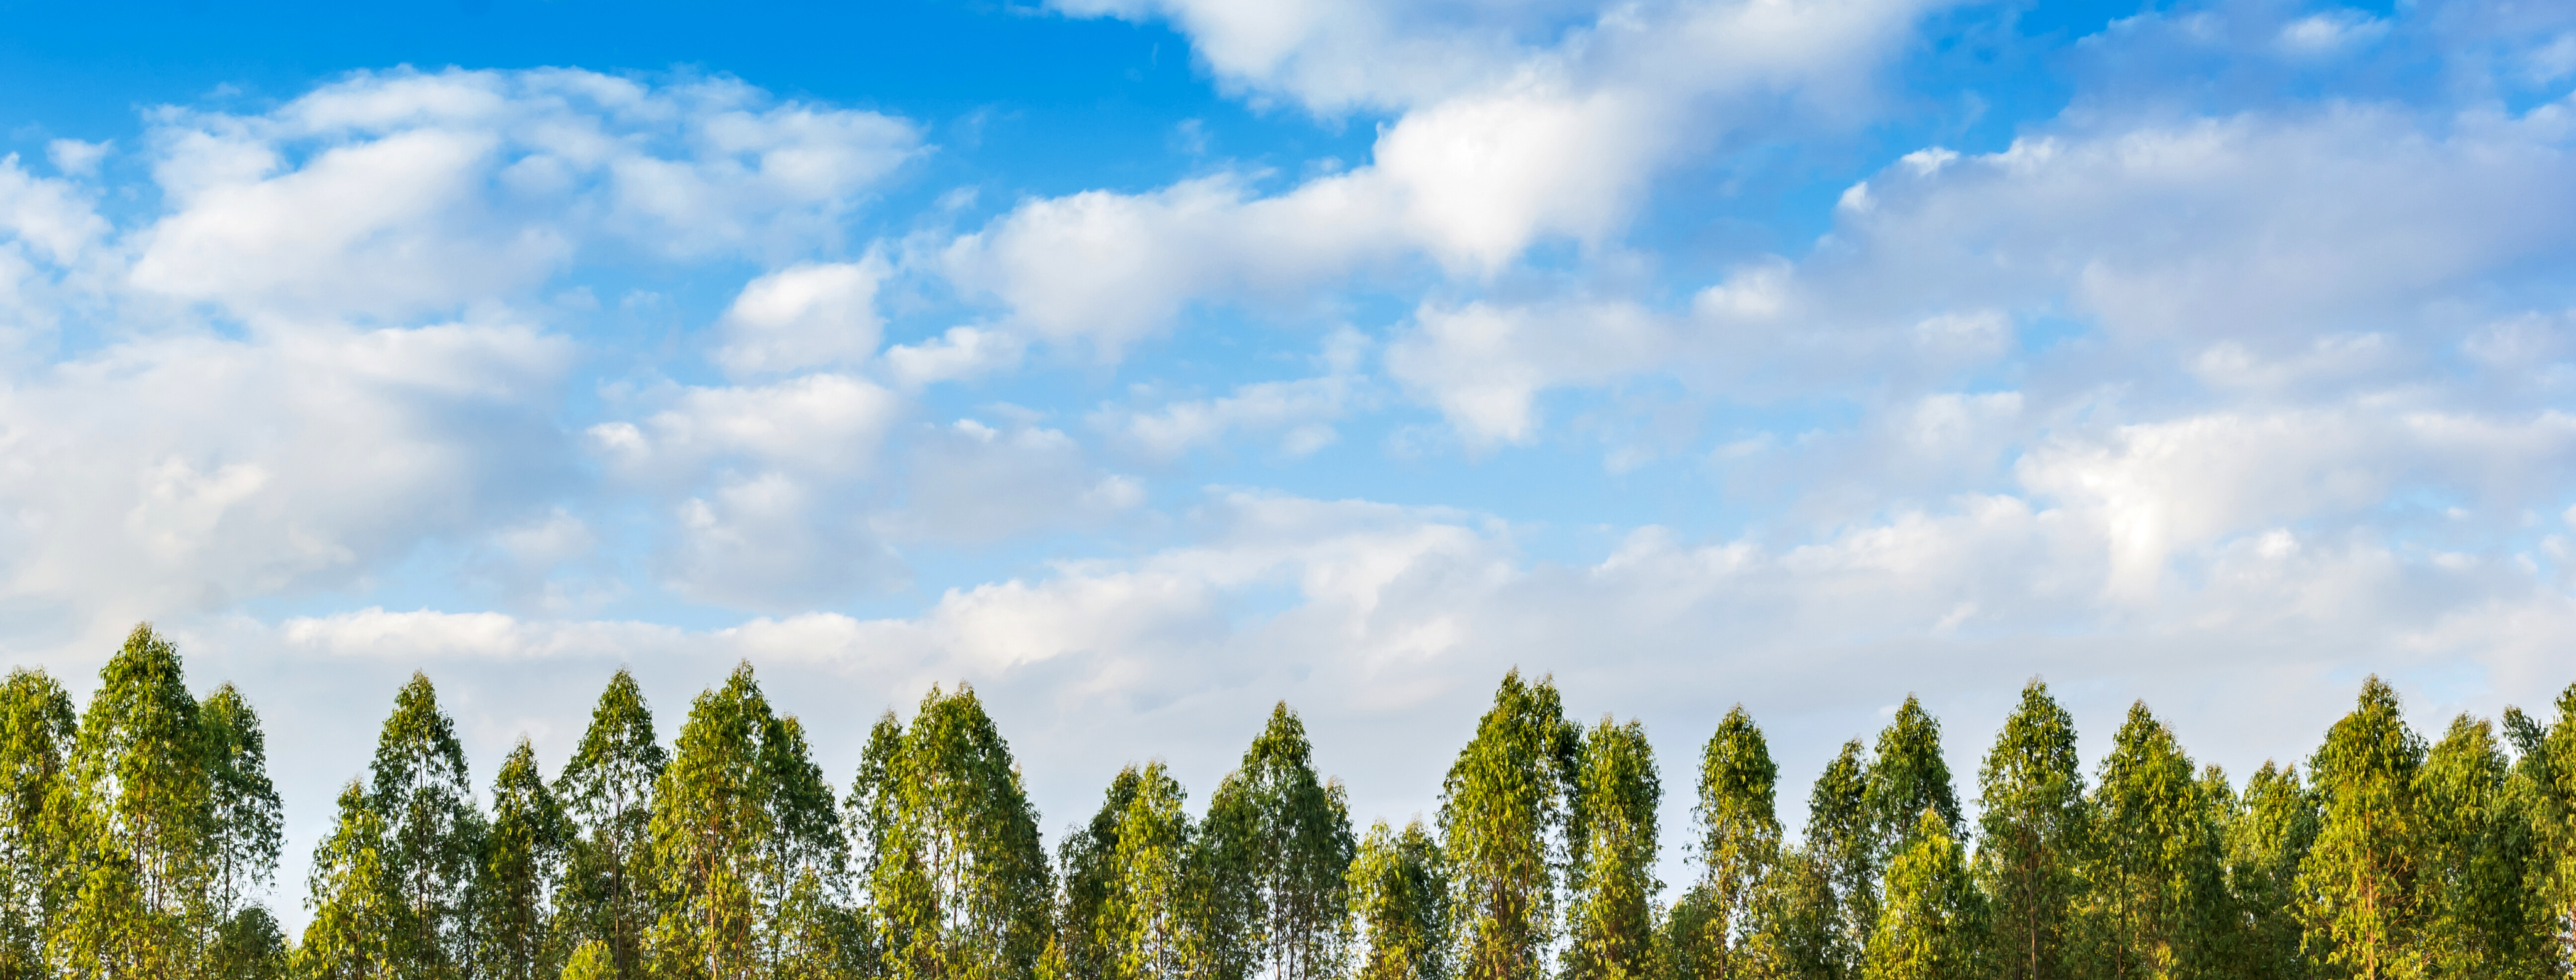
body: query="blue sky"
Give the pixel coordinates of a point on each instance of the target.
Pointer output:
(1143, 362)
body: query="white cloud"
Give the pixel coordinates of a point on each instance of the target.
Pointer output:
(804, 316)
(818, 423)
(399, 193)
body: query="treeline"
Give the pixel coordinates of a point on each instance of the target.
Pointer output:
(136, 832)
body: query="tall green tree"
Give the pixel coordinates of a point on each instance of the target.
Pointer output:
(146, 841)
(1400, 896)
(607, 790)
(2032, 835)
(807, 928)
(711, 828)
(1908, 775)
(419, 786)
(1842, 839)
(358, 914)
(2546, 779)
(2267, 837)
(248, 818)
(248, 946)
(1610, 920)
(955, 872)
(38, 825)
(1794, 927)
(2358, 884)
(1286, 834)
(2154, 875)
(1088, 858)
(1509, 828)
(2482, 918)
(1739, 840)
(521, 862)
(1932, 925)
(1144, 925)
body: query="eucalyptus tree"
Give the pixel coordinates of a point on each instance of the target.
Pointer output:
(520, 865)
(1400, 897)
(1842, 839)
(607, 790)
(2032, 837)
(1144, 923)
(2274, 825)
(1737, 814)
(807, 927)
(2154, 878)
(2358, 884)
(1509, 825)
(37, 820)
(248, 946)
(958, 880)
(1793, 926)
(358, 915)
(1611, 919)
(1276, 854)
(247, 818)
(2482, 918)
(2546, 779)
(1932, 925)
(711, 827)
(145, 804)
(1088, 859)
(419, 785)
(1907, 776)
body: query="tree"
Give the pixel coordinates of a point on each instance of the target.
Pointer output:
(592, 960)
(522, 858)
(2358, 882)
(37, 820)
(1143, 925)
(248, 818)
(607, 789)
(1931, 926)
(2268, 836)
(2481, 918)
(1739, 824)
(1611, 919)
(805, 928)
(2154, 873)
(2032, 834)
(1842, 839)
(958, 878)
(248, 946)
(1794, 928)
(1089, 859)
(1908, 776)
(1401, 898)
(1287, 835)
(420, 788)
(2546, 779)
(144, 841)
(711, 825)
(358, 914)
(1506, 818)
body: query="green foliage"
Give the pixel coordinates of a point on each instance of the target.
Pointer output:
(248, 819)
(957, 876)
(1739, 824)
(434, 834)
(2031, 837)
(2546, 780)
(607, 790)
(1795, 924)
(1145, 911)
(1842, 839)
(1907, 776)
(522, 858)
(725, 815)
(248, 946)
(2477, 851)
(144, 810)
(2268, 835)
(2155, 894)
(1400, 895)
(1274, 862)
(1509, 825)
(1933, 924)
(38, 820)
(1610, 921)
(594, 959)
(2359, 900)
(358, 916)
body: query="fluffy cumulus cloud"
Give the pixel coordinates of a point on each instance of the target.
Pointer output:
(1661, 346)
